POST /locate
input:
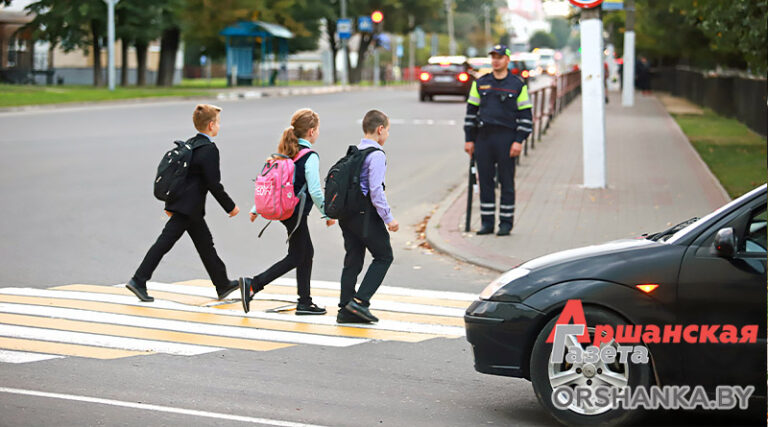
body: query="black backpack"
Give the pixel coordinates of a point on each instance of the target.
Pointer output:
(172, 171)
(343, 195)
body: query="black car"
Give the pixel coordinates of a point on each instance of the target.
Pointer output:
(446, 78)
(708, 271)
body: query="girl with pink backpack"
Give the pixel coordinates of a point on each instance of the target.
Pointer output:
(280, 194)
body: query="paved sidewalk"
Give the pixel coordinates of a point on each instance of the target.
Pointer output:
(655, 180)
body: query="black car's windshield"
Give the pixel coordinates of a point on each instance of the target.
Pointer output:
(666, 234)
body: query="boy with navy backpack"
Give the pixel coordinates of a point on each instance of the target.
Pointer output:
(364, 217)
(185, 176)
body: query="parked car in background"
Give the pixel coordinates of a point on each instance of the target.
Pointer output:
(527, 64)
(445, 75)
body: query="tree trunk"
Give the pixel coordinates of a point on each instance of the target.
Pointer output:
(330, 31)
(96, 54)
(141, 63)
(124, 66)
(357, 72)
(169, 45)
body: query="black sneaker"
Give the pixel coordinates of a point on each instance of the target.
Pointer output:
(309, 309)
(245, 292)
(344, 316)
(360, 311)
(140, 290)
(233, 286)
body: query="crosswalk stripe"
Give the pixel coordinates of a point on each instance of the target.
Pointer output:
(138, 308)
(325, 291)
(263, 305)
(375, 304)
(60, 322)
(98, 340)
(9, 356)
(66, 349)
(181, 326)
(121, 290)
(383, 290)
(246, 328)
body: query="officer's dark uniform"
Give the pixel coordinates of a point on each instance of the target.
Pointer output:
(498, 114)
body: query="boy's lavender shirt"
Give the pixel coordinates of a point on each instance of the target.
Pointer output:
(374, 169)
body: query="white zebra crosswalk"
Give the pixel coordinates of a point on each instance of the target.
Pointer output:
(108, 322)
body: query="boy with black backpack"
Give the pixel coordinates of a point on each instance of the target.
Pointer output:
(355, 195)
(185, 176)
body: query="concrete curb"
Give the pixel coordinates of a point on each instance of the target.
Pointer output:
(436, 240)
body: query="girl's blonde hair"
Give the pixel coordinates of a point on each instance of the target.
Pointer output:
(302, 121)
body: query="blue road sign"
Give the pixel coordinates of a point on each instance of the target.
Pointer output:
(364, 24)
(344, 28)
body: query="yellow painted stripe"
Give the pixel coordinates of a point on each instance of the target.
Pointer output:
(133, 332)
(119, 290)
(263, 305)
(66, 349)
(291, 291)
(216, 319)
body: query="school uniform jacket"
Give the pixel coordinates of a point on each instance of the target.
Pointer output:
(204, 175)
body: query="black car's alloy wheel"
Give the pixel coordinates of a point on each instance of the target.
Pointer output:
(546, 375)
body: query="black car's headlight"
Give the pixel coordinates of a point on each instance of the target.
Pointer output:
(503, 280)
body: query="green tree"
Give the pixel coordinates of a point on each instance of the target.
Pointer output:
(561, 31)
(542, 39)
(72, 24)
(137, 24)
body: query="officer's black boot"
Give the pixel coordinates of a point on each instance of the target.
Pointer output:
(505, 228)
(485, 229)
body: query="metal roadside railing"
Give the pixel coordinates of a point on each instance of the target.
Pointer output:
(548, 102)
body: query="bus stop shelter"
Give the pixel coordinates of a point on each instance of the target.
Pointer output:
(243, 39)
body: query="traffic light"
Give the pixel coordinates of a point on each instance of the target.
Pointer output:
(377, 16)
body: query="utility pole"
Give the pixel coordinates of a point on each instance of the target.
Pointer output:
(110, 43)
(488, 41)
(628, 75)
(592, 98)
(344, 55)
(451, 41)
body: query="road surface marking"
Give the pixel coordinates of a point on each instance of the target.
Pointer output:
(62, 323)
(108, 341)
(65, 349)
(156, 408)
(179, 326)
(138, 308)
(9, 356)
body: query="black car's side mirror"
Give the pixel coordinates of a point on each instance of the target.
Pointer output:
(725, 243)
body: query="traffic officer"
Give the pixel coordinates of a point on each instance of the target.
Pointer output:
(498, 120)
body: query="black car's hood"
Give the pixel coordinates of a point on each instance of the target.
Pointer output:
(623, 262)
(585, 252)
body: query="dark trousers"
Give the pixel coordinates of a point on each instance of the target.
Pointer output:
(492, 152)
(300, 254)
(201, 237)
(356, 240)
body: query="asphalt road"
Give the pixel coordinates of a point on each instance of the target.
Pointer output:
(78, 209)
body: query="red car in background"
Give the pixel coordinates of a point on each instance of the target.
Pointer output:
(445, 75)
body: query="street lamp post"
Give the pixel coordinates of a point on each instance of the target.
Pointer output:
(110, 43)
(344, 55)
(451, 41)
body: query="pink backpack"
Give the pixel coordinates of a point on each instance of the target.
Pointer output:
(274, 195)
